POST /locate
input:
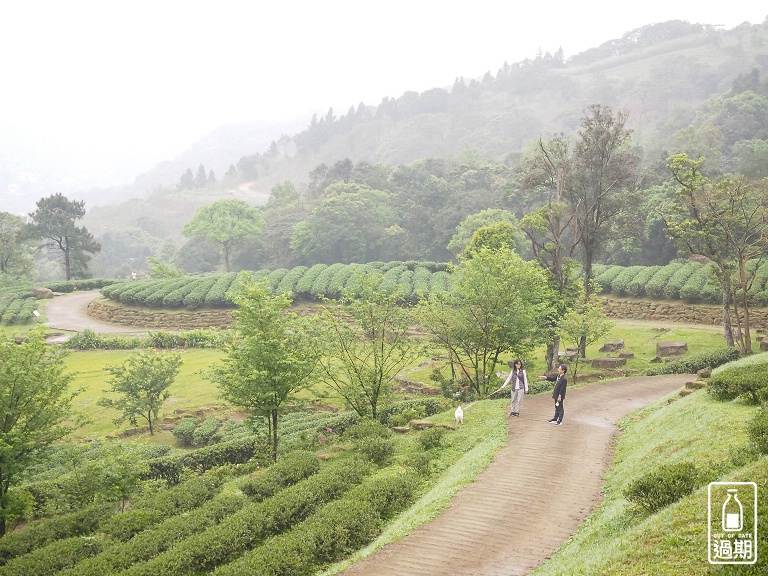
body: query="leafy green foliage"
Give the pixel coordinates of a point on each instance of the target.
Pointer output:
(758, 430)
(141, 383)
(695, 361)
(664, 486)
(35, 405)
(745, 381)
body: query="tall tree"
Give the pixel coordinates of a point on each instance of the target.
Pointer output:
(550, 227)
(496, 307)
(15, 246)
(472, 223)
(347, 226)
(55, 222)
(725, 220)
(272, 355)
(142, 384)
(368, 343)
(603, 179)
(35, 409)
(226, 222)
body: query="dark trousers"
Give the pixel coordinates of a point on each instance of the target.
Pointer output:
(559, 411)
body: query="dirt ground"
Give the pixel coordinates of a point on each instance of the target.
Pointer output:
(532, 498)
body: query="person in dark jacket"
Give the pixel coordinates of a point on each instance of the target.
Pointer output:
(558, 394)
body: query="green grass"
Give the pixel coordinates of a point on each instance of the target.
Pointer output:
(617, 538)
(190, 392)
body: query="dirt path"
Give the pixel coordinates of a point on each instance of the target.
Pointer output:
(534, 495)
(68, 312)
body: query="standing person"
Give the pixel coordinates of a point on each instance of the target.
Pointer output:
(519, 380)
(558, 394)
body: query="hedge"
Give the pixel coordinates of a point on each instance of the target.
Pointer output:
(148, 544)
(43, 532)
(243, 530)
(52, 558)
(692, 363)
(148, 512)
(333, 532)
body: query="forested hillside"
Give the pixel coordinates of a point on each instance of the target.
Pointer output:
(408, 171)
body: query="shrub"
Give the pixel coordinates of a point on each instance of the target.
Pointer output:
(655, 286)
(636, 287)
(185, 431)
(53, 557)
(376, 449)
(757, 429)
(620, 283)
(205, 434)
(334, 531)
(663, 486)
(47, 530)
(606, 277)
(157, 539)
(739, 381)
(288, 283)
(247, 527)
(679, 278)
(431, 437)
(693, 289)
(692, 363)
(286, 472)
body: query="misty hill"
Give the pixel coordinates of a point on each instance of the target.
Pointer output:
(666, 75)
(661, 73)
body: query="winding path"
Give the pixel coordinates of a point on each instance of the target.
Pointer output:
(532, 498)
(69, 312)
(534, 495)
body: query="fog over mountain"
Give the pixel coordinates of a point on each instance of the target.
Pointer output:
(92, 112)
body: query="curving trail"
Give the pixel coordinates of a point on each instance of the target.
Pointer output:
(68, 312)
(534, 495)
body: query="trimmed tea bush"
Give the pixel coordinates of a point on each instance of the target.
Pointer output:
(636, 287)
(43, 532)
(663, 486)
(185, 431)
(746, 381)
(294, 467)
(692, 363)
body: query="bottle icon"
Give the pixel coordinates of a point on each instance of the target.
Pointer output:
(733, 512)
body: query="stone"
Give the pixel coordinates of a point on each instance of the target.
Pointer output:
(695, 385)
(41, 293)
(420, 424)
(401, 429)
(612, 346)
(669, 348)
(704, 372)
(626, 355)
(608, 362)
(764, 344)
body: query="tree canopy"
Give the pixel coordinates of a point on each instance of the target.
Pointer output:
(55, 222)
(35, 410)
(226, 222)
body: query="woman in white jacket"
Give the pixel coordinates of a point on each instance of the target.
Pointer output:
(518, 380)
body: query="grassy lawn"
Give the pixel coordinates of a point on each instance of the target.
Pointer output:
(190, 393)
(617, 538)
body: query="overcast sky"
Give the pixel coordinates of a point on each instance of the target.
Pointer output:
(145, 79)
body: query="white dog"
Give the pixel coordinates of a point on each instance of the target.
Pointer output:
(459, 415)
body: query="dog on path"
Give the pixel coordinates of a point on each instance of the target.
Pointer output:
(459, 415)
